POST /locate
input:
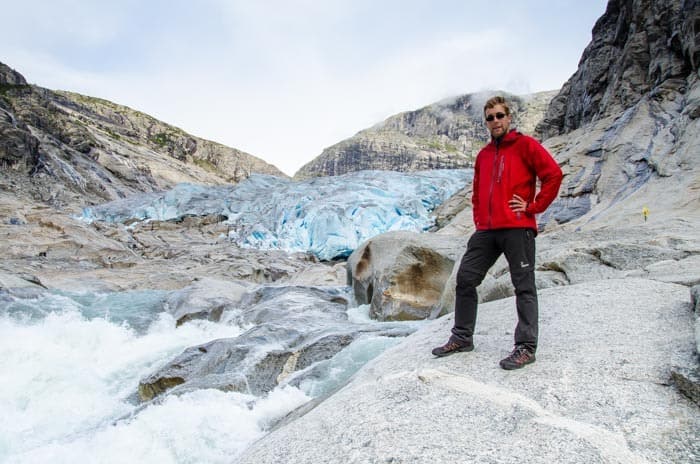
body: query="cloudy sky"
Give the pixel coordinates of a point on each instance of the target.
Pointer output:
(283, 79)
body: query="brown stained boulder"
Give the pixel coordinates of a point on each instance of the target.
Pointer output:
(148, 391)
(401, 275)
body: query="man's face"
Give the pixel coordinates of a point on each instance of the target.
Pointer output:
(497, 121)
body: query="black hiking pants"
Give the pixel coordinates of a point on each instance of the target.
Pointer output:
(483, 250)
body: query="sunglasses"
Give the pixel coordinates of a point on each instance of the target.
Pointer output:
(498, 116)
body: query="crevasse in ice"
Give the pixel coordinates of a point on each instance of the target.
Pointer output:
(326, 216)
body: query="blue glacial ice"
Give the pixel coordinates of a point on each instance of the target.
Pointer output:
(326, 216)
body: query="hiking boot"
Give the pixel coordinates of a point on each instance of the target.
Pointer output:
(519, 357)
(452, 347)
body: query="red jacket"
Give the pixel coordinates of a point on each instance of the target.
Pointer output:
(511, 166)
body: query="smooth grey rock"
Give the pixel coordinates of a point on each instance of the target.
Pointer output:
(10, 281)
(567, 209)
(206, 298)
(321, 273)
(683, 271)
(593, 396)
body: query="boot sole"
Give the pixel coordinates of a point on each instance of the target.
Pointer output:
(459, 350)
(512, 367)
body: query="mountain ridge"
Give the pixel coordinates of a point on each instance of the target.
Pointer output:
(446, 134)
(66, 149)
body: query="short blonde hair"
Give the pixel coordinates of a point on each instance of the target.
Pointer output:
(498, 100)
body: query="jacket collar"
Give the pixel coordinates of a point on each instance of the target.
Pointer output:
(507, 138)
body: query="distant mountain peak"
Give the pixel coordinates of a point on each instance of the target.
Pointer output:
(443, 135)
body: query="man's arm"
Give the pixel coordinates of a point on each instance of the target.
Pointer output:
(549, 173)
(475, 190)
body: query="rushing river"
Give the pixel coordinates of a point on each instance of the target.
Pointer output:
(71, 364)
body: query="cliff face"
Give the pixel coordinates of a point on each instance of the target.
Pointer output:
(444, 135)
(68, 149)
(637, 47)
(628, 119)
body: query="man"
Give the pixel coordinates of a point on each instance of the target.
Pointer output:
(504, 207)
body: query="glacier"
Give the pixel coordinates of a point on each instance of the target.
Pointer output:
(328, 217)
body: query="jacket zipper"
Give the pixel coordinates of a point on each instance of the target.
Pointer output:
(494, 173)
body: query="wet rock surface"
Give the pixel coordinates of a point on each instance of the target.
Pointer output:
(291, 330)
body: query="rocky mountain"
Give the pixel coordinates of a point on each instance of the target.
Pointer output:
(624, 126)
(67, 149)
(647, 50)
(444, 135)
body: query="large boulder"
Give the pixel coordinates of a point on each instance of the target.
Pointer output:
(401, 274)
(291, 332)
(243, 364)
